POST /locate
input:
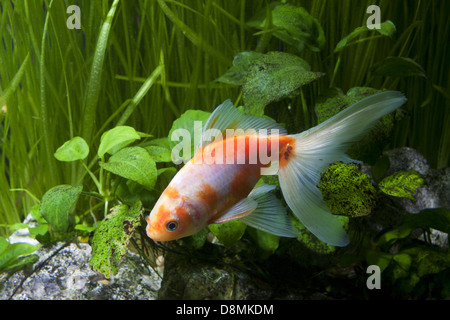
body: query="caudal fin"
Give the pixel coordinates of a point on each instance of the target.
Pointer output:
(315, 149)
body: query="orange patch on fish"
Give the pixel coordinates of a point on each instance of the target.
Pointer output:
(240, 185)
(208, 195)
(287, 146)
(161, 214)
(180, 211)
(171, 193)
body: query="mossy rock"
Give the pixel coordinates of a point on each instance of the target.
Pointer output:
(347, 191)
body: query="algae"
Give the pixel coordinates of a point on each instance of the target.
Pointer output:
(347, 191)
(110, 241)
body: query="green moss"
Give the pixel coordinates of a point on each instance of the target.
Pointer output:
(347, 191)
(311, 241)
(110, 240)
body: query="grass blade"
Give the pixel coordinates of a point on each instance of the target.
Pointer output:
(94, 82)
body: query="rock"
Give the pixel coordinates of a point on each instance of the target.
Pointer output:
(184, 279)
(436, 193)
(63, 273)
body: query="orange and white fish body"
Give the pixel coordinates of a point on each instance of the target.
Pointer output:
(218, 183)
(201, 193)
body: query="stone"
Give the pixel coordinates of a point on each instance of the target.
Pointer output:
(63, 273)
(436, 192)
(190, 280)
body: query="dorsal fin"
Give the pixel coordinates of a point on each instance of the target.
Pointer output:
(226, 116)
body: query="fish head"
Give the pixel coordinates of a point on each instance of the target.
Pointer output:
(172, 219)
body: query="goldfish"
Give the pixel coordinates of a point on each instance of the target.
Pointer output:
(221, 182)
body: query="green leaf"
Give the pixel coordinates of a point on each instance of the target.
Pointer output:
(266, 241)
(378, 258)
(273, 76)
(438, 218)
(402, 265)
(159, 154)
(110, 241)
(117, 138)
(10, 254)
(428, 260)
(229, 232)
(94, 83)
(391, 236)
(56, 204)
(133, 163)
(186, 123)
(402, 184)
(292, 25)
(197, 240)
(387, 28)
(15, 82)
(72, 150)
(241, 63)
(398, 67)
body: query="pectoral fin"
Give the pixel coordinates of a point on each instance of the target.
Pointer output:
(262, 210)
(240, 210)
(270, 215)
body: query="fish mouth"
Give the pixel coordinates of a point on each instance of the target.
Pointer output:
(150, 231)
(153, 233)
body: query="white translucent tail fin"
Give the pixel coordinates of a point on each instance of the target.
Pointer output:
(315, 149)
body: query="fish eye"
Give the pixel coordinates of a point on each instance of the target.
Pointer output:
(172, 225)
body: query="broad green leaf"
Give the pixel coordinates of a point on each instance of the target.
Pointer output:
(229, 232)
(398, 67)
(428, 260)
(159, 154)
(117, 138)
(241, 63)
(292, 25)
(387, 28)
(391, 236)
(378, 258)
(133, 163)
(197, 240)
(273, 76)
(10, 254)
(72, 150)
(56, 204)
(402, 184)
(438, 218)
(110, 240)
(184, 125)
(402, 265)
